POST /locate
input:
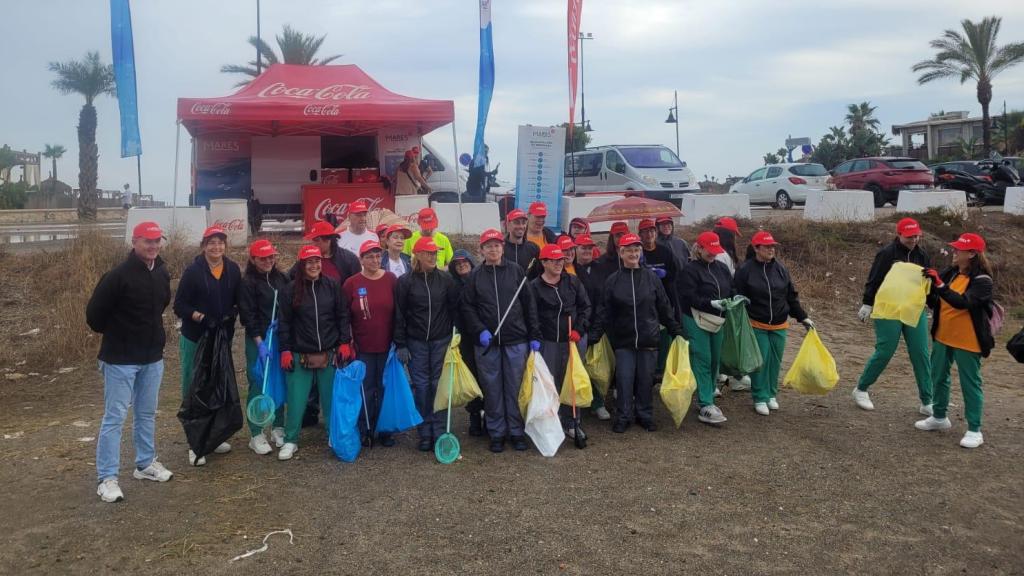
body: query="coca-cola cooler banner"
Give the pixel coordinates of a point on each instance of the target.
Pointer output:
(321, 200)
(539, 170)
(223, 167)
(391, 146)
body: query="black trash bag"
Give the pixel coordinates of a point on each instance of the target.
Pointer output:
(1016, 346)
(211, 412)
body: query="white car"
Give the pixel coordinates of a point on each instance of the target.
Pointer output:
(782, 185)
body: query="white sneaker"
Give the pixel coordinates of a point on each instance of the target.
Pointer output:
(224, 448)
(722, 378)
(773, 404)
(933, 423)
(925, 410)
(155, 471)
(287, 451)
(972, 439)
(193, 461)
(761, 408)
(259, 445)
(711, 415)
(110, 491)
(277, 435)
(740, 385)
(863, 399)
(602, 413)
(718, 392)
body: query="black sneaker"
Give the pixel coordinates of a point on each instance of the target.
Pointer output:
(497, 445)
(519, 443)
(425, 445)
(649, 425)
(476, 424)
(386, 440)
(619, 427)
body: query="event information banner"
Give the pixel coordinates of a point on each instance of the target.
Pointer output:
(540, 170)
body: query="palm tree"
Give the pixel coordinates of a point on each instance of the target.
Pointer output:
(90, 78)
(296, 48)
(861, 117)
(972, 55)
(54, 152)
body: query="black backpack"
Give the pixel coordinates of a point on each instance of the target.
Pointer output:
(1016, 346)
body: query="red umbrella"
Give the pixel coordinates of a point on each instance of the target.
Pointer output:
(635, 208)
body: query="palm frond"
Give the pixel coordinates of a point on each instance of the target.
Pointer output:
(1006, 57)
(88, 77)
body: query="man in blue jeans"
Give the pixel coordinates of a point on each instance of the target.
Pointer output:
(127, 307)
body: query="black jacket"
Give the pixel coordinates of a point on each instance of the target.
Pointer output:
(977, 299)
(460, 290)
(127, 307)
(556, 304)
(679, 248)
(256, 299)
(892, 252)
(216, 299)
(319, 323)
(488, 296)
(700, 283)
(632, 309)
(521, 254)
(425, 307)
(773, 297)
(593, 277)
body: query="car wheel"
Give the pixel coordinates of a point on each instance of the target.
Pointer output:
(783, 201)
(876, 191)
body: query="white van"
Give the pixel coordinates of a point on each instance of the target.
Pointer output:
(442, 177)
(652, 169)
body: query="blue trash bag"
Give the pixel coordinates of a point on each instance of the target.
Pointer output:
(346, 403)
(398, 409)
(276, 379)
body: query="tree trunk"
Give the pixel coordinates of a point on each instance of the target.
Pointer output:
(88, 161)
(54, 171)
(984, 98)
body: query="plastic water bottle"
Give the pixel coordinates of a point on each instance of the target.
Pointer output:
(364, 303)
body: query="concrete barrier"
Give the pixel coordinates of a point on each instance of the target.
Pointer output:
(410, 205)
(475, 217)
(924, 200)
(1014, 202)
(184, 223)
(57, 216)
(232, 215)
(839, 206)
(697, 207)
(581, 206)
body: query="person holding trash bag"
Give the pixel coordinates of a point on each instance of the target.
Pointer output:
(260, 284)
(632, 308)
(904, 248)
(425, 306)
(369, 299)
(501, 316)
(315, 334)
(127, 307)
(592, 277)
(459, 268)
(518, 249)
(561, 302)
(207, 297)
(704, 285)
(766, 283)
(961, 304)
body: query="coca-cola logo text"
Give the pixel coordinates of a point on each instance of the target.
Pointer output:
(332, 92)
(234, 225)
(340, 209)
(214, 109)
(321, 110)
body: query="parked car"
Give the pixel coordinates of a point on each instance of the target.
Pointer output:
(883, 176)
(782, 185)
(652, 169)
(969, 176)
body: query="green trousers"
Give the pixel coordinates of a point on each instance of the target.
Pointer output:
(887, 337)
(252, 355)
(968, 365)
(300, 382)
(705, 356)
(764, 383)
(187, 356)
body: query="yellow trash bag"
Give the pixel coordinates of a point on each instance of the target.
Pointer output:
(576, 377)
(464, 387)
(814, 370)
(601, 365)
(677, 381)
(526, 388)
(902, 294)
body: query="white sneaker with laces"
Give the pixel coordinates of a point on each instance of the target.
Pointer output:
(761, 408)
(155, 471)
(933, 423)
(224, 448)
(109, 490)
(972, 439)
(602, 413)
(277, 435)
(711, 414)
(287, 451)
(739, 385)
(259, 445)
(863, 399)
(773, 404)
(193, 461)
(925, 410)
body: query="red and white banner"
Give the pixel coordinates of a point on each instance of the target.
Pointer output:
(321, 200)
(575, 12)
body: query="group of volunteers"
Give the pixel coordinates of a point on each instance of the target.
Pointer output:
(358, 293)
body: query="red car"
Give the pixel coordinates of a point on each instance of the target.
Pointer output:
(883, 176)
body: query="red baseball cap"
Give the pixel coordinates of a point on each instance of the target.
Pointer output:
(214, 231)
(538, 209)
(645, 224)
(908, 227)
(969, 241)
(628, 240)
(491, 234)
(763, 238)
(398, 228)
(663, 219)
(380, 229)
(425, 244)
(409, 154)
(261, 249)
(516, 214)
(368, 246)
(416, 150)
(729, 224)
(307, 252)
(584, 240)
(620, 228)
(357, 207)
(320, 229)
(427, 219)
(710, 242)
(148, 230)
(551, 252)
(565, 243)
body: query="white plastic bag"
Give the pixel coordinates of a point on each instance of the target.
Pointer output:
(542, 423)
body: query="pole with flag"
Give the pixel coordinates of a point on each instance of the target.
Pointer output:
(123, 48)
(486, 83)
(575, 12)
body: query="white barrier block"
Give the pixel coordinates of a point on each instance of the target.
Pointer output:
(697, 207)
(582, 206)
(923, 200)
(1014, 202)
(839, 206)
(448, 219)
(185, 223)
(233, 216)
(476, 217)
(410, 205)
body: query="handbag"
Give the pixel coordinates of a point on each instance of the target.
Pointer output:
(707, 321)
(314, 360)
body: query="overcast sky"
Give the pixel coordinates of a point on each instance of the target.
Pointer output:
(748, 73)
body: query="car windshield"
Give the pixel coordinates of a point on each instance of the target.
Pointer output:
(650, 157)
(808, 170)
(909, 164)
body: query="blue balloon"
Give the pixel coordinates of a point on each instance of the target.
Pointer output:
(807, 148)
(465, 159)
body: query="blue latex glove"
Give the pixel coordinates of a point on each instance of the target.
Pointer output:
(660, 272)
(535, 345)
(485, 338)
(264, 352)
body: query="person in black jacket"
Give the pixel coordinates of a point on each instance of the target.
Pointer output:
(207, 297)
(961, 304)
(905, 248)
(592, 276)
(704, 285)
(338, 264)
(562, 303)
(459, 269)
(425, 308)
(314, 324)
(666, 236)
(261, 284)
(633, 305)
(501, 316)
(773, 298)
(127, 307)
(517, 248)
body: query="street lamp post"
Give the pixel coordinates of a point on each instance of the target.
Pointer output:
(583, 92)
(673, 116)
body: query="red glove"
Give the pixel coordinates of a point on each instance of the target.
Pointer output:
(286, 360)
(574, 336)
(346, 352)
(932, 274)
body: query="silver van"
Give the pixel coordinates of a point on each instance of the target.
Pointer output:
(653, 169)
